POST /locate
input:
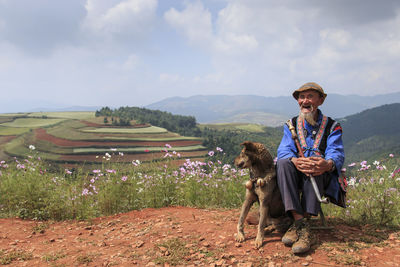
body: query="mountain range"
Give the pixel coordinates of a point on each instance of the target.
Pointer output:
(269, 111)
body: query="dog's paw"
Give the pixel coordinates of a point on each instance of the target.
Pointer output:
(239, 237)
(259, 241)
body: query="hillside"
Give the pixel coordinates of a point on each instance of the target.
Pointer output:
(80, 137)
(270, 111)
(372, 133)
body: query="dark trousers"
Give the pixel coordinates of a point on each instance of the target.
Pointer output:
(296, 188)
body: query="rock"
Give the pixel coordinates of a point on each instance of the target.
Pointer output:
(309, 258)
(205, 244)
(139, 243)
(305, 263)
(163, 249)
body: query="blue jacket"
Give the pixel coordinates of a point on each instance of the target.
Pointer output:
(334, 150)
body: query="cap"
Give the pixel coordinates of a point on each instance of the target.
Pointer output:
(309, 86)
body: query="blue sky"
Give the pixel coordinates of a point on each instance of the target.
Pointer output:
(136, 52)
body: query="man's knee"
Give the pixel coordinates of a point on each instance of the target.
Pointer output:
(284, 164)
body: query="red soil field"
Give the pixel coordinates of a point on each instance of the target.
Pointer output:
(41, 134)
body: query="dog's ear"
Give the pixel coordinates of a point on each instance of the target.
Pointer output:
(250, 146)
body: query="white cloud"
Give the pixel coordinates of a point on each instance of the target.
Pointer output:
(170, 78)
(118, 18)
(194, 22)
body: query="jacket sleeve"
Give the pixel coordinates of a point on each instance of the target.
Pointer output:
(334, 149)
(287, 148)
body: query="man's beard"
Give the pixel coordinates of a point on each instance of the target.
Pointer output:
(309, 116)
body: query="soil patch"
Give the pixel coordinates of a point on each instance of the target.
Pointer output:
(185, 237)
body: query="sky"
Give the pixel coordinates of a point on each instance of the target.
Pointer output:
(136, 52)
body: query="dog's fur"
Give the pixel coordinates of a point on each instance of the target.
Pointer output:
(263, 188)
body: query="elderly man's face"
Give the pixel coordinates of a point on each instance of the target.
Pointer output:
(309, 101)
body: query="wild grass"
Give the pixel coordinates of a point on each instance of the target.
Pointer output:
(373, 195)
(29, 190)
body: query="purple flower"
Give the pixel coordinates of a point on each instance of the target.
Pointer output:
(124, 178)
(391, 155)
(211, 153)
(68, 171)
(363, 163)
(85, 192)
(96, 171)
(111, 171)
(219, 149)
(168, 145)
(352, 164)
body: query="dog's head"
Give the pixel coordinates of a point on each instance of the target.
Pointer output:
(253, 154)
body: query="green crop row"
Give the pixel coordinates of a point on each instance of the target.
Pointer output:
(31, 122)
(145, 130)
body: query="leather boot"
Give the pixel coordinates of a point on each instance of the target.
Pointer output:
(290, 236)
(304, 241)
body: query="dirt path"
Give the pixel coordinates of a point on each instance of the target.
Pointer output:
(185, 237)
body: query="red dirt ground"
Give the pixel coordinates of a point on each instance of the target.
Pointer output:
(41, 134)
(185, 237)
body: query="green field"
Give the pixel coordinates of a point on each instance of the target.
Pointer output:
(249, 127)
(13, 130)
(79, 115)
(145, 130)
(31, 122)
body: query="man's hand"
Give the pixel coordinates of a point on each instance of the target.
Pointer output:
(313, 165)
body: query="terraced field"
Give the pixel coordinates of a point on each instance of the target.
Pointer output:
(76, 137)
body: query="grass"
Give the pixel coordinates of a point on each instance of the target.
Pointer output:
(28, 190)
(13, 130)
(144, 130)
(7, 257)
(54, 256)
(31, 122)
(174, 252)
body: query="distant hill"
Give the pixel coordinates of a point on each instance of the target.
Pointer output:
(372, 133)
(270, 111)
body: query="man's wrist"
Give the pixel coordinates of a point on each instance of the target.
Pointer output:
(332, 165)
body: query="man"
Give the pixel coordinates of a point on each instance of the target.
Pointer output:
(321, 141)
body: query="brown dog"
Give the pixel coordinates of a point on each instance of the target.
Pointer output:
(261, 187)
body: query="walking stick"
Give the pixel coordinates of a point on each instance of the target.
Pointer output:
(301, 154)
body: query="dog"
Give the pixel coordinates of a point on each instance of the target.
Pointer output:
(261, 187)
